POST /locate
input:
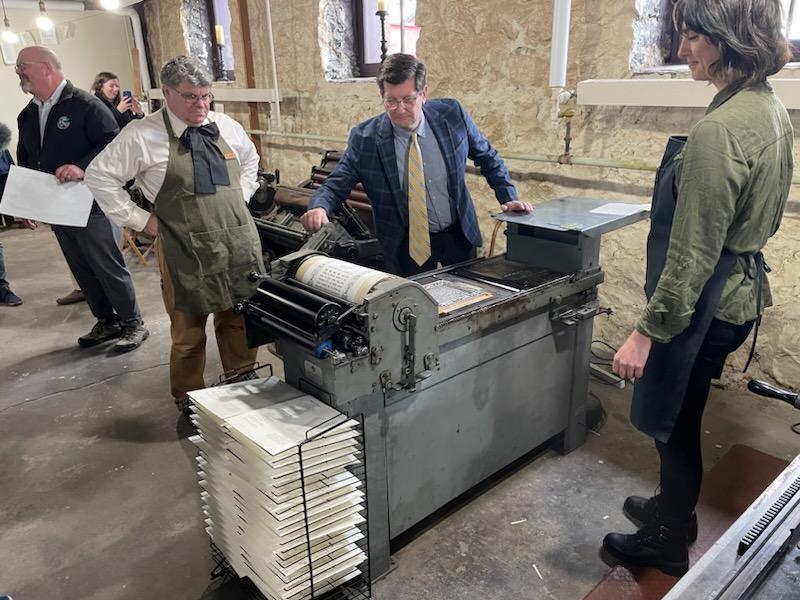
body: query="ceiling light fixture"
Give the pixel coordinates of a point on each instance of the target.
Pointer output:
(43, 22)
(110, 4)
(9, 37)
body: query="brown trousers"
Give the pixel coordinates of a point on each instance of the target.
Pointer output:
(187, 359)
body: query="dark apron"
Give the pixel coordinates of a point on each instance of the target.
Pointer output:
(210, 242)
(658, 395)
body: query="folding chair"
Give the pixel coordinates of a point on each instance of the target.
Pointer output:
(141, 251)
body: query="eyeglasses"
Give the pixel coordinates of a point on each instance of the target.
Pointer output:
(190, 98)
(23, 66)
(408, 102)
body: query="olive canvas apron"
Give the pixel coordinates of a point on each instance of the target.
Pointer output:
(210, 242)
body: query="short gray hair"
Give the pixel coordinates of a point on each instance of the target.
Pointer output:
(5, 136)
(184, 68)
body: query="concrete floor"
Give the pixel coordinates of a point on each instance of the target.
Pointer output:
(99, 501)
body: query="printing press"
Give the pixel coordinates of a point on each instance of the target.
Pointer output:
(457, 372)
(277, 209)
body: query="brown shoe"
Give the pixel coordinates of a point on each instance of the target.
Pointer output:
(71, 298)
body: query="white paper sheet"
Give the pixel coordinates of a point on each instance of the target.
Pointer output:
(620, 208)
(35, 195)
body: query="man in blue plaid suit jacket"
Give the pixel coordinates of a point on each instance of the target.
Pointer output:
(377, 155)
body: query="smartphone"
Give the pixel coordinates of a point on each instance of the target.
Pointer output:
(127, 94)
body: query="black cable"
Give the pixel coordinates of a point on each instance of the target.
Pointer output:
(796, 428)
(606, 344)
(601, 359)
(591, 412)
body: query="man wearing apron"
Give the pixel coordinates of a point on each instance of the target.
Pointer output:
(198, 168)
(719, 196)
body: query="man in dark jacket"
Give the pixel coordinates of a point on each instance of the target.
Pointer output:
(60, 131)
(7, 297)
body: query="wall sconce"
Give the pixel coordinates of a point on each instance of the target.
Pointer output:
(381, 13)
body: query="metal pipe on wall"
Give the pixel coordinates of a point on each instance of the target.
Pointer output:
(602, 163)
(560, 43)
(277, 104)
(584, 162)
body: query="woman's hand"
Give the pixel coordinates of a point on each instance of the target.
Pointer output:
(630, 359)
(124, 104)
(136, 106)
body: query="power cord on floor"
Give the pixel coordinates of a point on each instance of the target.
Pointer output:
(603, 361)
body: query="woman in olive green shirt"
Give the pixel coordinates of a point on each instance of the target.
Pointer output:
(719, 196)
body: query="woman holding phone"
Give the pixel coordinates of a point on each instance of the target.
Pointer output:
(124, 107)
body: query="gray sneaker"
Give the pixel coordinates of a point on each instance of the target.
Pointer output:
(102, 331)
(9, 298)
(131, 338)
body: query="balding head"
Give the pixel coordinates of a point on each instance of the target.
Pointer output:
(39, 71)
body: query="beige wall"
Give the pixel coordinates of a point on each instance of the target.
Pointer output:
(493, 55)
(99, 41)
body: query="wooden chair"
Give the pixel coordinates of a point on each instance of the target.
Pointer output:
(140, 251)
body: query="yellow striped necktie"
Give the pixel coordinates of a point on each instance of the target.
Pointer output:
(419, 238)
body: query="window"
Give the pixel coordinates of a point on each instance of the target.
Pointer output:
(207, 29)
(219, 16)
(791, 8)
(400, 29)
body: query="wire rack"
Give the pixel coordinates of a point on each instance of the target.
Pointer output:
(358, 587)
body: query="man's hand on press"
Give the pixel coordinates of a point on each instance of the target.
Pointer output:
(630, 359)
(151, 227)
(516, 206)
(66, 173)
(29, 223)
(314, 219)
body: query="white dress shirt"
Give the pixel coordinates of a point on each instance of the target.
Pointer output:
(46, 106)
(141, 152)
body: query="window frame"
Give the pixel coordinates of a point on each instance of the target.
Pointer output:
(365, 69)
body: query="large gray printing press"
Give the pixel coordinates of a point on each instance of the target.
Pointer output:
(457, 372)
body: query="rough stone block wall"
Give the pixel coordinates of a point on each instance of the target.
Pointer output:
(493, 55)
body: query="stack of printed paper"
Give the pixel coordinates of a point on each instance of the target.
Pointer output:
(279, 493)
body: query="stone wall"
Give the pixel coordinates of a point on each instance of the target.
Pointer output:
(493, 55)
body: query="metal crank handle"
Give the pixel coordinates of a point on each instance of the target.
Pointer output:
(762, 388)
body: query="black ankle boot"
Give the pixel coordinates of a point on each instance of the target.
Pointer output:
(663, 547)
(644, 511)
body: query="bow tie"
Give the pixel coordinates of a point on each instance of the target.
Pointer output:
(209, 163)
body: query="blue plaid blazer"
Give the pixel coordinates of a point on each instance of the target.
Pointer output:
(370, 159)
